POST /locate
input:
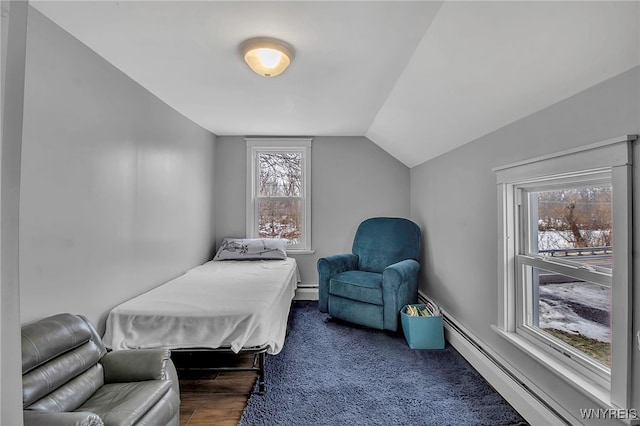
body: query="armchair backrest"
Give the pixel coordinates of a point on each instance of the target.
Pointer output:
(383, 241)
(60, 363)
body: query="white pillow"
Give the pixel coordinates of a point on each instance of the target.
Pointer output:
(252, 249)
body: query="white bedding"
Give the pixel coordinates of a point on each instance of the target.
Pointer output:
(237, 304)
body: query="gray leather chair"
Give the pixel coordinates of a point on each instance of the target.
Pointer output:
(68, 378)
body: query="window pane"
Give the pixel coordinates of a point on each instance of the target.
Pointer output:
(280, 174)
(574, 224)
(576, 312)
(280, 218)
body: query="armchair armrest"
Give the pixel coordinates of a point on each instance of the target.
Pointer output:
(328, 267)
(394, 275)
(70, 418)
(337, 263)
(399, 288)
(137, 365)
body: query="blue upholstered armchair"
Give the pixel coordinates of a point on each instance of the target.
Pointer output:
(371, 285)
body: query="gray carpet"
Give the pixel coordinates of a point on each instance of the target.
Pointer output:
(334, 373)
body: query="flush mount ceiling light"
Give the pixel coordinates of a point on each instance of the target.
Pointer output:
(266, 56)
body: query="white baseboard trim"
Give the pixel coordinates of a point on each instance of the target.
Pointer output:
(521, 393)
(306, 291)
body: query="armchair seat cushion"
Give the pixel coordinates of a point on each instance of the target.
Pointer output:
(357, 285)
(126, 403)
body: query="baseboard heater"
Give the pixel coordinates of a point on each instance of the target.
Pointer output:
(455, 329)
(306, 291)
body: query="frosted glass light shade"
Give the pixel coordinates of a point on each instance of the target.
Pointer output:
(267, 57)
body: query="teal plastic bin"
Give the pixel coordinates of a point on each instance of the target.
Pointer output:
(422, 332)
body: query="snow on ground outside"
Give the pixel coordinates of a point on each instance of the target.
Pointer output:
(558, 304)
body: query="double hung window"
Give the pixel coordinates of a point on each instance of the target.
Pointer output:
(279, 190)
(565, 264)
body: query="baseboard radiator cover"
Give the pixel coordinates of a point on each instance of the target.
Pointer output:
(307, 291)
(518, 391)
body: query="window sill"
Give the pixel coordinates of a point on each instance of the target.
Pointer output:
(592, 390)
(300, 251)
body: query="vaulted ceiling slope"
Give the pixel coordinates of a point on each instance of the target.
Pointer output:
(418, 78)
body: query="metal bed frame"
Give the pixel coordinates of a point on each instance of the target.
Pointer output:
(259, 354)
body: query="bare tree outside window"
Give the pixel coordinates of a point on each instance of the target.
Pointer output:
(574, 218)
(280, 191)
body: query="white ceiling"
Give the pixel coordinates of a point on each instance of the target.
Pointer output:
(418, 78)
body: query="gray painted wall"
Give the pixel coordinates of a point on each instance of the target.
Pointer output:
(14, 37)
(117, 191)
(352, 179)
(453, 199)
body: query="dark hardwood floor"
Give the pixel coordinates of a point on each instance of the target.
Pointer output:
(213, 398)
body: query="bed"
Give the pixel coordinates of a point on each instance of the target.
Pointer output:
(237, 305)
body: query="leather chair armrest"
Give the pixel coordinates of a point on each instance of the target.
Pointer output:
(328, 267)
(73, 418)
(137, 365)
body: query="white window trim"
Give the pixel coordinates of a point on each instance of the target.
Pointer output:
(614, 155)
(254, 147)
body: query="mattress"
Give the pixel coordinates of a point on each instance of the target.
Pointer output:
(235, 304)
